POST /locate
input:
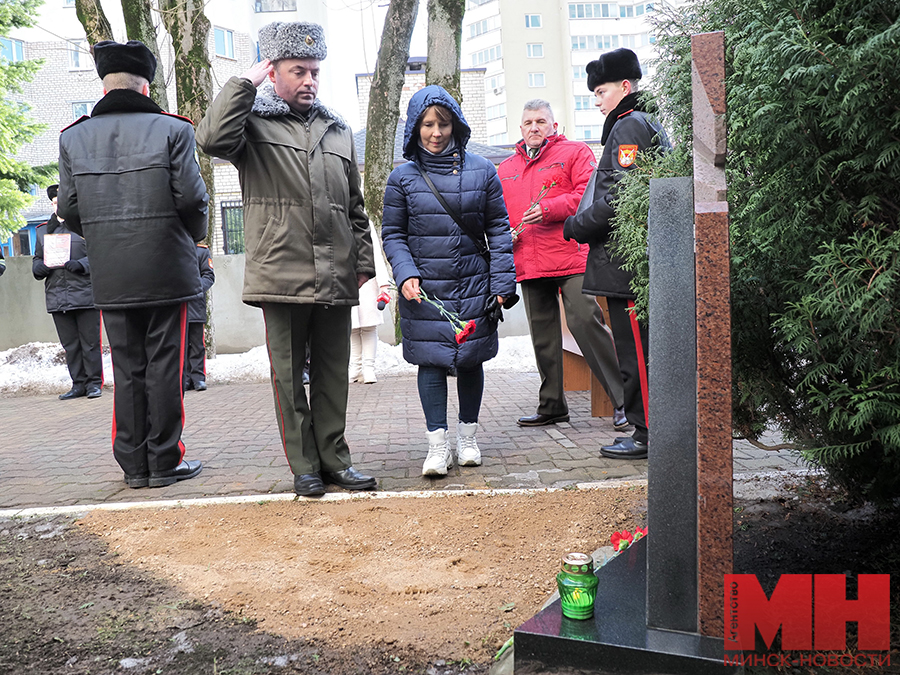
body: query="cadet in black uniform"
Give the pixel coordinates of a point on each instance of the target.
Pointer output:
(195, 345)
(627, 131)
(129, 183)
(70, 301)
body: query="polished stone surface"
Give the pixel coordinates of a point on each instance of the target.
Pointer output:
(672, 466)
(616, 639)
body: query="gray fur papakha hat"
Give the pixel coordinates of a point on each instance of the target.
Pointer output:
(295, 40)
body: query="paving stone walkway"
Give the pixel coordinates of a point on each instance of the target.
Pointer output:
(58, 453)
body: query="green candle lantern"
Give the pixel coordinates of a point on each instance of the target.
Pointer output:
(577, 586)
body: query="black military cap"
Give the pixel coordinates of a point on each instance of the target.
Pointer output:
(52, 191)
(133, 57)
(615, 66)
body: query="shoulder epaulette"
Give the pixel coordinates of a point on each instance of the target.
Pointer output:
(202, 245)
(78, 121)
(181, 117)
(627, 112)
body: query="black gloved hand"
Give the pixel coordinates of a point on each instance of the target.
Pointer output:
(74, 266)
(493, 310)
(40, 270)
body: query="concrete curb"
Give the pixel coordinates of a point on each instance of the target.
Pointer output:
(286, 496)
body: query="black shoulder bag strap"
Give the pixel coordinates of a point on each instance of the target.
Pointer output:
(478, 240)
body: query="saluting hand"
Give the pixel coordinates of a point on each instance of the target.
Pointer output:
(258, 72)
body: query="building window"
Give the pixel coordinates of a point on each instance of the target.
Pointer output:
(224, 43)
(532, 21)
(536, 79)
(494, 83)
(12, 50)
(233, 227)
(484, 26)
(593, 10)
(81, 108)
(535, 51)
(80, 55)
(594, 43)
(589, 132)
(24, 242)
(628, 41)
(493, 112)
(498, 139)
(262, 6)
(626, 12)
(69, 3)
(584, 102)
(486, 56)
(477, 3)
(579, 73)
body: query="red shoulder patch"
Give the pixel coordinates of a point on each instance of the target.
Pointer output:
(78, 121)
(627, 155)
(181, 117)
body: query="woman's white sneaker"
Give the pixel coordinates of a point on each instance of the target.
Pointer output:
(467, 452)
(439, 459)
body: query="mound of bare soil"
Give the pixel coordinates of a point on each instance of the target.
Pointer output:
(374, 586)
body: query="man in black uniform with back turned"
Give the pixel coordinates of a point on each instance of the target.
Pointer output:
(627, 131)
(129, 183)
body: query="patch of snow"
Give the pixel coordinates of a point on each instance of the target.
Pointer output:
(40, 367)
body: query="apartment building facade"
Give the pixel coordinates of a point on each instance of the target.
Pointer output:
(538, 49)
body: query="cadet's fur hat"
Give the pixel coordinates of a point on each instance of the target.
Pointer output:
(615, 66)
(295, 40)
(52, 191)
(133, 57)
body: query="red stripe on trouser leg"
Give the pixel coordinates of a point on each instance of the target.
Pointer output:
(642, 362)
(183, 326)
(204, 351)
(102, 379)
(114, 390)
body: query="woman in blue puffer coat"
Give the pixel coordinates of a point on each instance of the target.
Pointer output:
(430, 252)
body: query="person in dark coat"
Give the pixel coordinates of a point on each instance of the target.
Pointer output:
(129, 183)
(2, 263)
(70, 301)
(627, 131)
(430, 253)
(195, 344)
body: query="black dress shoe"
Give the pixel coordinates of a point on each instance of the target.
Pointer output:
(349, 479)
(542, 420)
(309, 485)
(139, 481)
(188, 385)
(94, 392)
(200, 386)
(187, 469)
(72, 393)
(627, 449)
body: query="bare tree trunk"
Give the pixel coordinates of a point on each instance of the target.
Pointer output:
(189, 28)
(445, 44)
(93, 19)
(139, 25)
(384, 102)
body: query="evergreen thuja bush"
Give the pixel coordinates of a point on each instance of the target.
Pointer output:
(814, 193)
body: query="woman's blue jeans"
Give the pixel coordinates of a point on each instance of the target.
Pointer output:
(433, 394)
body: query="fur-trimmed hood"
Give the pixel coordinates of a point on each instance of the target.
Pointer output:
(270, 104)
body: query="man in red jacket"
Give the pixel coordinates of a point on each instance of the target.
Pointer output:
(542, 185)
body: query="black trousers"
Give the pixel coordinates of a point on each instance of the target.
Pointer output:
(633, 348)
(147, 346)
(312, 431)
(194, 354)
(79, 334)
